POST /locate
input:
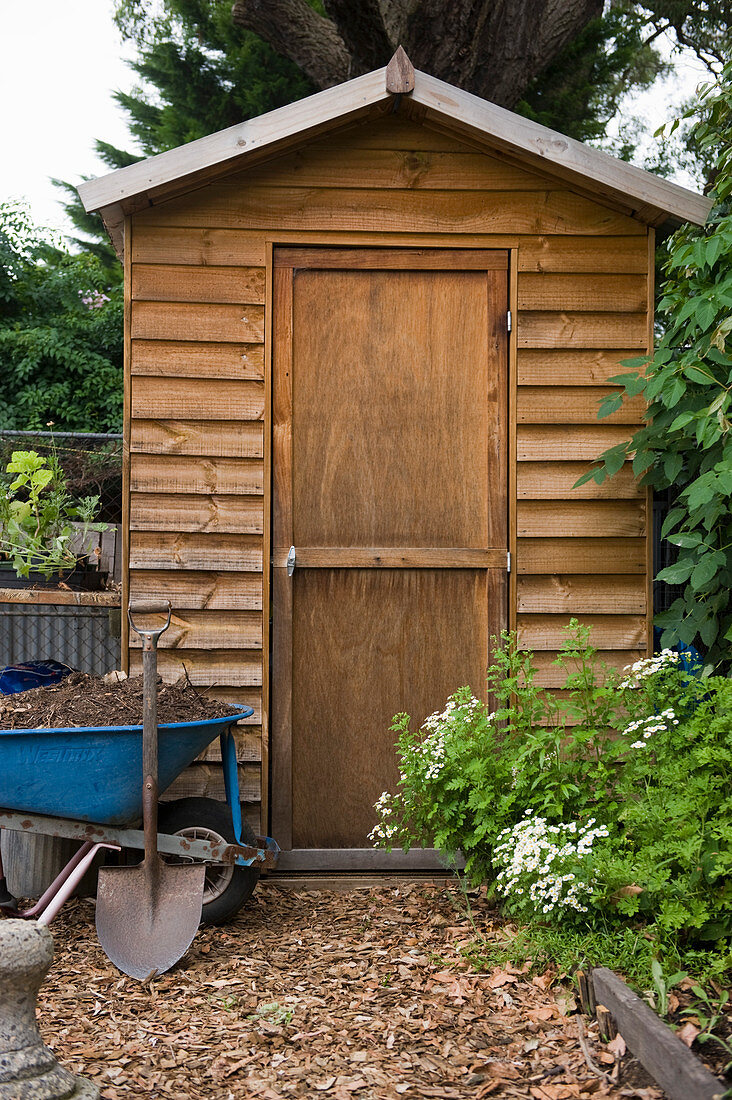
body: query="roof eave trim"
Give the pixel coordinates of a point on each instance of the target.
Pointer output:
(654, 199)
(316, 112)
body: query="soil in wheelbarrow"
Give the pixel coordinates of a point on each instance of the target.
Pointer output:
(82, 700)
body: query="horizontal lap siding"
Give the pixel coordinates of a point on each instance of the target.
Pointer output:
(198, 398)
(580, 552)
(196, 473)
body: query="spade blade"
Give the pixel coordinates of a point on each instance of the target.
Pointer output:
(147, 915)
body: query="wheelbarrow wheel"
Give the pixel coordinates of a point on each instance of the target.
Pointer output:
(226, 887)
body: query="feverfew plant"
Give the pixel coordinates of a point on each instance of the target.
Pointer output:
(546, 868)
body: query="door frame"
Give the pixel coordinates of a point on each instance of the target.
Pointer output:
(276, 779)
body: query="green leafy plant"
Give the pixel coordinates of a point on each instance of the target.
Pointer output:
(687, 383)
(40, 523)
(623, 816)
(710, 1012)
(663, 984)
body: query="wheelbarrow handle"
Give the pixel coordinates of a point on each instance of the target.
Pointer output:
(149, 607)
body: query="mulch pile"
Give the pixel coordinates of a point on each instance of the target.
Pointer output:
(82, 700)
(363, 995)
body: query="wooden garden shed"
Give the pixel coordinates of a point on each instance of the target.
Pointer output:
(366, 336)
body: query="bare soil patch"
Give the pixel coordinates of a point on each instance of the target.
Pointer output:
(363, 994)
(82, 700)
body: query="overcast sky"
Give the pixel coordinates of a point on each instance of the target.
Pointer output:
(60, 61)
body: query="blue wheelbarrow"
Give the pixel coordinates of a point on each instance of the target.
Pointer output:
(85, 784)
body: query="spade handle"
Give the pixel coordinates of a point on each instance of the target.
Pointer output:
(149, 720)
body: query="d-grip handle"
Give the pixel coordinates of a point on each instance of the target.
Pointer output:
(149, 607)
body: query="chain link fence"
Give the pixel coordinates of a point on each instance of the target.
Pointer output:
(49, 622)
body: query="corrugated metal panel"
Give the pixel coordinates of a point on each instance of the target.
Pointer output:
(87, 638)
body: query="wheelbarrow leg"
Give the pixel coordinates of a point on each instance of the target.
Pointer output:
(8, 903)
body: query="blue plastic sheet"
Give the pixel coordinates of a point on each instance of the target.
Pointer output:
(31, 674)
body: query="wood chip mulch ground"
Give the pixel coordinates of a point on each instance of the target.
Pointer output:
(362, 995)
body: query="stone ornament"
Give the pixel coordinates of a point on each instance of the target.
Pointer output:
(28, 1068)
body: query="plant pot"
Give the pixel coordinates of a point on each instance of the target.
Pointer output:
(82, 578)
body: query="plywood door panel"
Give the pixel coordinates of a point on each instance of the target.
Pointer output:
(358, 621)
(389, 475)
(414, 329)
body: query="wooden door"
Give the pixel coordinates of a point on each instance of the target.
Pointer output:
(389, 479)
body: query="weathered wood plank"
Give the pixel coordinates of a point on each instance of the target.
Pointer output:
(567, 443)
(228, 204)
(191, 321)
(599, 519)
(207, 629)
(556, 480)
(568, 367)
(192, 589)
(194, 474)
(186, 283)
(191, 512)
(323, 165)
(594, 293)
(59, 597)
(206, 668)
(196, 399)
(578, 555)
(232, 438)
(585, 330)
(608, 631)
(197, 245)
(205, 360)
(551, 675)
(573, 405)
(208, 552)
(207, 781)
(395, 132)
(621, 594)
(625, 255)
(679, 1072)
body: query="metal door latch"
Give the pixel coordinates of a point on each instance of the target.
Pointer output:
(291, 562)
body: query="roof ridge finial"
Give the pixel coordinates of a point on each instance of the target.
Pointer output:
(399, 74)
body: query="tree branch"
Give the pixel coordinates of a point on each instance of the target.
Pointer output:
(361, 25)
(296, 31)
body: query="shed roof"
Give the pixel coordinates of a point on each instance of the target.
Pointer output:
(645, 196)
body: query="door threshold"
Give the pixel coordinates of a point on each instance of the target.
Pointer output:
(369, 860)
(346, 882)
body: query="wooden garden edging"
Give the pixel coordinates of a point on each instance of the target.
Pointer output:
(672, 1065)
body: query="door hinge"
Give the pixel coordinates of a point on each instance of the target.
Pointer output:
(509, 321)
(508, 561)
(291, 562)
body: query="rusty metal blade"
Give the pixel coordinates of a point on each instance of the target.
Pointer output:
(146, 921)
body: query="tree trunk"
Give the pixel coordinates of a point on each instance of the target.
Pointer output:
(494, 48)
